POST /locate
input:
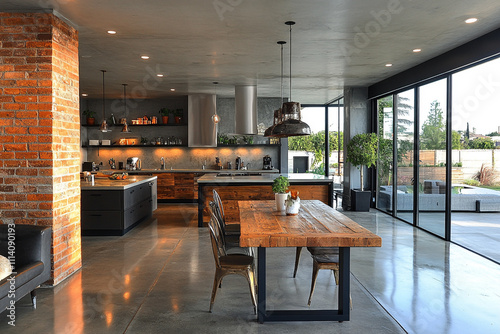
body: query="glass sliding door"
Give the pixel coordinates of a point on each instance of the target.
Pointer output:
(475, 195)
(336, 145)
(405, 122)
(432, 157)
(385, 153)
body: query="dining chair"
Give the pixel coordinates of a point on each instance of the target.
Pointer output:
(231, 242)
(323, 258)
(227, 264)
(227, 229)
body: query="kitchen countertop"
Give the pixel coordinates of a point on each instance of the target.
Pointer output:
(266, 178)
(103, 183)
(188, 170)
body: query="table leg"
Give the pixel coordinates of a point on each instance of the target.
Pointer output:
(344, 281)
(341, 314)
(261, 284)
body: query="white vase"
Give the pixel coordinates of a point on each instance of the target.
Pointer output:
(280, 201)
(292, 206)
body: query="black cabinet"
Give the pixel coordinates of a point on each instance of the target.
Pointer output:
(115, 212)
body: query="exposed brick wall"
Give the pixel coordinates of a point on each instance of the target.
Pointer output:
(40, 131)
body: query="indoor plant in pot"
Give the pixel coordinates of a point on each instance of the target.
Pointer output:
(178, 115)
(90, 115)
(280, 188)
(362, 151)
(164, 115)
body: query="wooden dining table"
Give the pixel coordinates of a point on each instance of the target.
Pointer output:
(316, 225)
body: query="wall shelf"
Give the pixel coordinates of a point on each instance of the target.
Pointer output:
(125, 146)
(135, 125)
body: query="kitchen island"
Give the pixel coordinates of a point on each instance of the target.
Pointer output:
(233, 188)
(114, 207)
(179, 185)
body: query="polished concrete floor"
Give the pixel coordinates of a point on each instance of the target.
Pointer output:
(158, 279)
(477, 231)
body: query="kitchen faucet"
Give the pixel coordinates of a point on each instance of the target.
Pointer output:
(162, 163)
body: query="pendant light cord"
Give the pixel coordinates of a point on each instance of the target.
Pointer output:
(290, 23)
(125, 97)
(281, 85)
(103, 104)
(291, 63)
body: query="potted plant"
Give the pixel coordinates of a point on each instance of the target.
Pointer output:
(362, 151)
(248, 140)
(292, 203)
(90, 115)
(164, 115)
(178, 115)
(280, 188)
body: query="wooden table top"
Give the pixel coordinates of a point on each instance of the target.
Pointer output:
(316, 225)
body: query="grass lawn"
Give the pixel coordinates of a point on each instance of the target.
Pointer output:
(491, 187)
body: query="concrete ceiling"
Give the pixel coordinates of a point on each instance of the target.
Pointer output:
(195, 42)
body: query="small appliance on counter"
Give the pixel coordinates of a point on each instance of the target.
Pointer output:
(267, 163)
(218, 164)
(133, 163)
(238, 163)
(89, 166)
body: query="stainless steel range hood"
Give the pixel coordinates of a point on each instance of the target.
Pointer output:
(245, 119)
(202, 131)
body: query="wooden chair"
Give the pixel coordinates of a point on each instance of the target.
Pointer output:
(227, 264)
(227, 229)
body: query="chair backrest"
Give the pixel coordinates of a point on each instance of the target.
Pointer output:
(218, 242)
(218, 201)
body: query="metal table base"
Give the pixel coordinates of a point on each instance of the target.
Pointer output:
(341, 314)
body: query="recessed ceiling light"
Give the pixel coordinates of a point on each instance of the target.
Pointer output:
(111, 32)
(172, 89)
(388, 65)
(417, 50)
(471, 20)
(145, 57)
(85, 94)
(159, 75)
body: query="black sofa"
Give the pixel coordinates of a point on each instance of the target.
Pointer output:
(32, 261)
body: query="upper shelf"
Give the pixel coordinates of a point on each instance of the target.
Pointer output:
(136, 125)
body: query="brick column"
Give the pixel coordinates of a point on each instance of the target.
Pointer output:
(40, 131)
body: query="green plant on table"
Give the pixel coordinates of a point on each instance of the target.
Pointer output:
(178, 112)
(280, 185)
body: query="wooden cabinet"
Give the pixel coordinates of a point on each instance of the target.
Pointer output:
(115, 212)
(177, 187)
(232, 193)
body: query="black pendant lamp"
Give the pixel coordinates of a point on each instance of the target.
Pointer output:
(104, 125)
(125, 125)
(292, 124)
(277, 112)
